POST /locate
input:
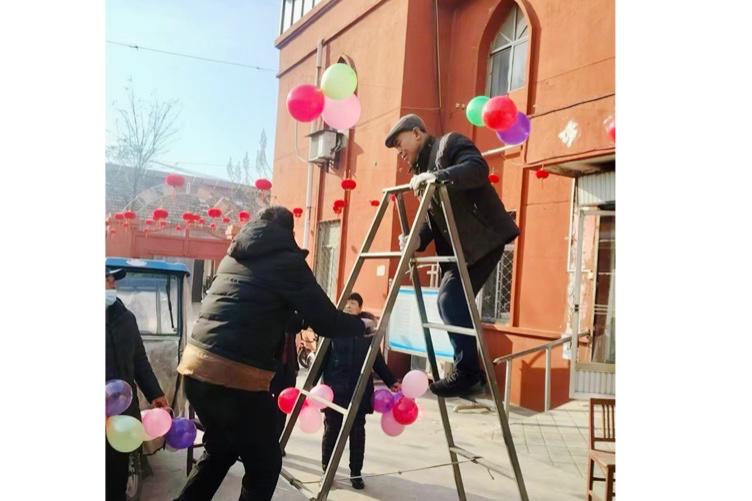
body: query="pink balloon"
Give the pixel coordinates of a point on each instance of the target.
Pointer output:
(309, 420)
(305, 102)
(156, 422)
(341, 114)
(323, 391)
(414, 384)
(390, 426)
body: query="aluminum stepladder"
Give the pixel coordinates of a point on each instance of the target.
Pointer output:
(407, 263)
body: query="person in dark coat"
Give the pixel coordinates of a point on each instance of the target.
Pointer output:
(232, 354)
(483, 224)
(287, 372)
(126, 360)
(342, 368)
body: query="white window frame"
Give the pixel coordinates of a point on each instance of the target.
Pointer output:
(516, 11)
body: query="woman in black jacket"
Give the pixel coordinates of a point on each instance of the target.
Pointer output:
(125, 359)
(341, 371)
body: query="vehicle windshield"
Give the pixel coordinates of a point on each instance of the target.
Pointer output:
(153, 299)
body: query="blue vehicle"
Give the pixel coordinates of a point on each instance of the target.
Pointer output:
(158, 294)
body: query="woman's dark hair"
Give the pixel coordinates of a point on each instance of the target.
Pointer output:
(357, 298)
(278, 215)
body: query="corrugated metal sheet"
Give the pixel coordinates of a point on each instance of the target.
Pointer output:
(595, 382)
(596, 189)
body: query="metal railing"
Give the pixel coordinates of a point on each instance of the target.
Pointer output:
(507, 360)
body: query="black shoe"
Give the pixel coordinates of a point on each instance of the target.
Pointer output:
(456, 384)
(357, 483)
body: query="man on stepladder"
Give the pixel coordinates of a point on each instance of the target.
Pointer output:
(483, 225)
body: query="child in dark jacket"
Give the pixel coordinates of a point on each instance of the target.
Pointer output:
(341, 371)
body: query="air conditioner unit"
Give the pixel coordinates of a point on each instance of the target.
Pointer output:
(324, 145)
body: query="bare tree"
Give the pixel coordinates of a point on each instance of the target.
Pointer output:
(144, 132)
(262, 166)
(246, 165)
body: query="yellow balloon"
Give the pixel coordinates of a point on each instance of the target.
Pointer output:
(124, 433)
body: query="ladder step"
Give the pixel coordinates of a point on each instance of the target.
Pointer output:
(479, 460)
(380, 255)
(435, 259)
(397, 189)
(298, 484)
(451, 328)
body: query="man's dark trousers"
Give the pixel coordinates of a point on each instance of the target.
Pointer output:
(453, 308)
(238, 424)
(332, 426)
(116, 473)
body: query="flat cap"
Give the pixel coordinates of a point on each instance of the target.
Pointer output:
(408, 122)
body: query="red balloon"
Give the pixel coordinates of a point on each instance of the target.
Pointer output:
(375, 203)
(541, 174)
(263, 184)
(244, 215)
(493, 177)
(499, 113)
(305, 102)
(349, 184)
(174, 180)
(214, 212)
(405, 411)
(286, 399)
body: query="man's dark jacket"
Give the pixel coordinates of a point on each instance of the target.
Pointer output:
(482, 221)
(343, 365)
(125, 356)
(259, 286)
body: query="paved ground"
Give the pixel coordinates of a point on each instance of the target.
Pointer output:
(551, 448)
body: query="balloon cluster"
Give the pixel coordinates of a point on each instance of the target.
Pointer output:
(335, 101)
(309, 419)
(126, 433)
(399, 409)
(499, 114)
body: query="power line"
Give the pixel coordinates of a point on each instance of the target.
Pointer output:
(190, 56)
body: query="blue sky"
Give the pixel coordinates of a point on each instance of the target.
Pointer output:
(223, 107)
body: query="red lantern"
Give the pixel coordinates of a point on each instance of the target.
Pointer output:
(175, 180)
(348, 184)
(493, 178)
(119, 216)
(499, 113)
(297, 212)
(263, 184)
(337, 209)
(393, 197)
(149, 222)
(610, 125)
(339, 203)
(375, 203)
(187, 217)
(201, 220)
(160, 213)
(178, 227)
(541, 174)
(129, 214)
(226, 219)
(214, 212)
(213, 226)
(244, 215)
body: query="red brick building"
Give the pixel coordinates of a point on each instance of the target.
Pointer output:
(556, 60)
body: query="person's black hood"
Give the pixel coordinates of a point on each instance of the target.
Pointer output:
(260, 238)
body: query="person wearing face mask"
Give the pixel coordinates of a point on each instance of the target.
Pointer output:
(483, 224)
(126, 360)
(262, 286)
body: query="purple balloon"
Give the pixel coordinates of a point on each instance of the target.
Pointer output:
(518, 132)
(182, 433)
(118, 396)
(383, 401)
(396, 397)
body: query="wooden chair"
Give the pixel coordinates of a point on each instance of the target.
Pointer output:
(605, 459)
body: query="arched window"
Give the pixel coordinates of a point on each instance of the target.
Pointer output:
(507, 62)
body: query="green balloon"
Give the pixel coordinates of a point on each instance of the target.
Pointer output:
(339, 81)
(124, 433)
(474, 110)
